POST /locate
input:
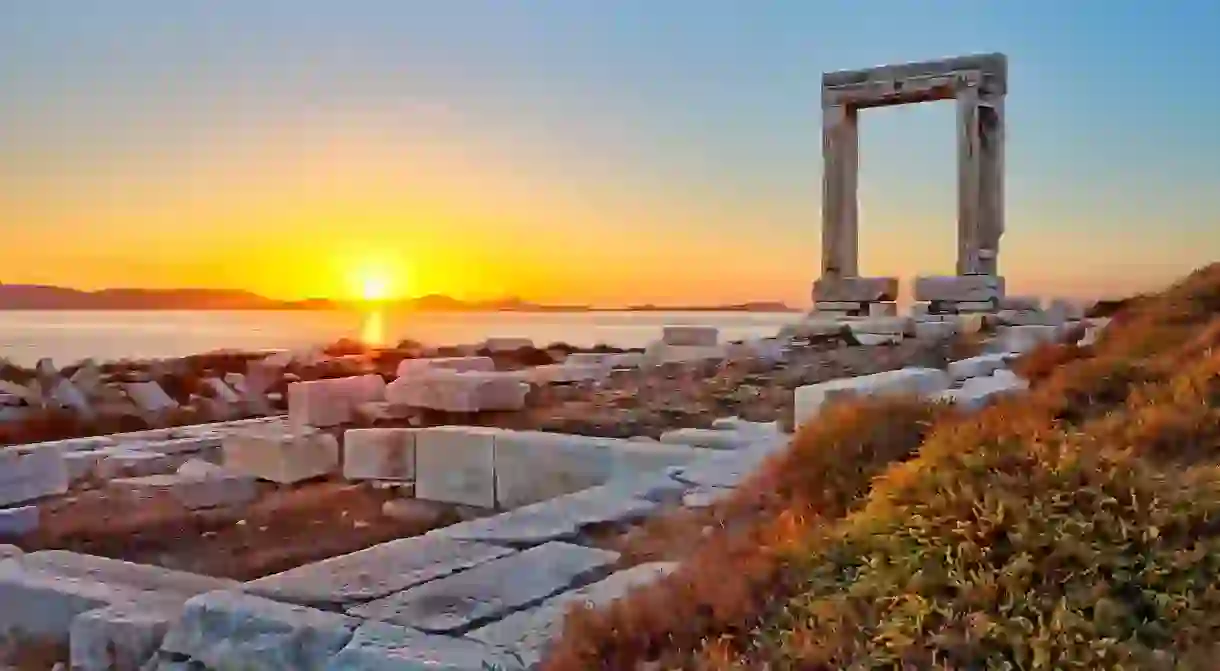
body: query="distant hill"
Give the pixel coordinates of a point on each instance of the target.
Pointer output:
(42, 297)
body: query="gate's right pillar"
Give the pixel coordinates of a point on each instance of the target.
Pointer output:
(980, 178)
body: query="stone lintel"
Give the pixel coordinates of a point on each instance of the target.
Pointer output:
(994, 68)
(886, 92)
(855, 289)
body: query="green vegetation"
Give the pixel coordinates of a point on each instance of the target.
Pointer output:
(1076, 527)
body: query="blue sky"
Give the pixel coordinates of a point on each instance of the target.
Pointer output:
(660, 150)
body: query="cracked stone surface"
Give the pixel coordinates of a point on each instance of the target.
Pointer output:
(374, 572)
(481, 594)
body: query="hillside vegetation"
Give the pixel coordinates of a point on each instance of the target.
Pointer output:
(1074, 527)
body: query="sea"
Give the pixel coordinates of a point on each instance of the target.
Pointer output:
(70, 336)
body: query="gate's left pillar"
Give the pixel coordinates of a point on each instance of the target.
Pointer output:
(840, 224)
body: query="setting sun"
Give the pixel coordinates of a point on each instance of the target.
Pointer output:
(375, 288)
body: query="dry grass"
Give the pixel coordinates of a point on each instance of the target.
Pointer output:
(1075, 527)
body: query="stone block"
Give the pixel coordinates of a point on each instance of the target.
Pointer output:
(461, 392)
(560, 518)
(707, 438)
(933, 331)
(133, 463)
(284, 458)
(846, 307)
(18, 521)
(813, 327)
(978, 366)
(374, 572)
(1022, 339)
(378, 646)
(456, 464)
(856, 289)
(923, 382)
(1023, 303)
(460, 364)
(379, 454)
(724, 469)
(33, 474)
(117, 638)
(10, 552)
(660, 352)
(149, 396)
(877, 339)
(221, 390)
(189, 445)
(81, 465)
(969, 307)
(599, 359)
(56, 586)
(479, 595)
(626, 360)
(507, 344)
(880, 325)
(958, 288)
(191, 492)
(977, 392)
(882, 309)
(705, 497)
(534, 466)
(567, 372)
(318, 403)
(690, 336)
(528, 633)
(232, 630)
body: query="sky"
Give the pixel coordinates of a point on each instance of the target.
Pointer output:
(589, 151)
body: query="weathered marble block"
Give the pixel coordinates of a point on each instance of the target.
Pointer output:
(118, 637)
(566, 372)
(471, 598)
(690, 336)
(379, 454)
(461, 392)
(856, 289)
(456, 464)
(192, 492)
(379, 646)
(18, 521)
(28, 475)
(283, 458)
(149, 396)
(232, 630)
(1023, 338)
(959, 288)
(533, 466)
(923, 382)
(528, 633)
(507, 344)
(707, 438)
(978, 392)
(978, 366)
(374, 572)
(460, 364)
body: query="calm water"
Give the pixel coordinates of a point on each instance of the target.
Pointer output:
(70, 336)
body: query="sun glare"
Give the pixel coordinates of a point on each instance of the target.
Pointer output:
(375, 287)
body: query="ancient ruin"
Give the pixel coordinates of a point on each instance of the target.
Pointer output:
(978, 84)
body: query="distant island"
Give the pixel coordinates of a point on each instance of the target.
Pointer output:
(42, 297)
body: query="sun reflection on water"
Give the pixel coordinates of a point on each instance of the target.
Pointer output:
(372, 329)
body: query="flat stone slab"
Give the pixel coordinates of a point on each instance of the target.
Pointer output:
(232, 630)
(690, 336)
(725, 470)
(378, 646)
(374, 572)
(191, 491)
(561, 518)
(527, 633)
(481, 594)
(143, 577)
(977, 366)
